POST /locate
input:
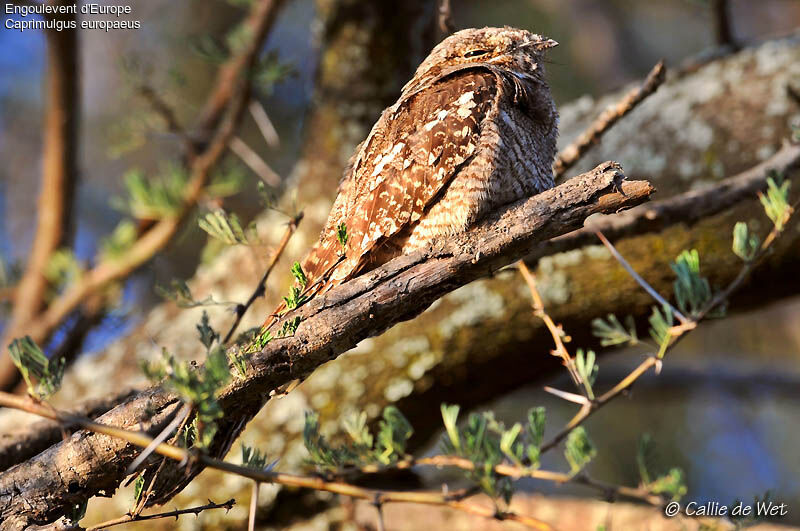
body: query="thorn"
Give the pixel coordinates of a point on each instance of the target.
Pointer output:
(570, 397)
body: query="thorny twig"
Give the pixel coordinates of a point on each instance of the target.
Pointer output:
(568, 156)
(228, 505)
(555, 330)
(262, 284)
(676, 332)
(639, 280)
(268, 476)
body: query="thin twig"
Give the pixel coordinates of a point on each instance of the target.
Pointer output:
(251, 520)
(677, 332)
(167, 113)
(267, 476)
(255, 162)
(571, 154)
(723, 26)
(262, 284)
(151, 485)
(178, 421)
(228, 505)
(555, 330)
(639, 280)
(264, 124)
(379, 509)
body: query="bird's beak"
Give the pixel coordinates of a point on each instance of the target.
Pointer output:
(547, 44)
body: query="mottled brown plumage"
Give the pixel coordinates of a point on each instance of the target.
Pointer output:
(474, 129)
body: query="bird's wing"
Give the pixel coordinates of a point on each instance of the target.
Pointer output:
(409, 158)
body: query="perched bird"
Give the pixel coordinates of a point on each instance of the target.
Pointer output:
(474, 129)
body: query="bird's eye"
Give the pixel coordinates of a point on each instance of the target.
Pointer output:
(475, 53)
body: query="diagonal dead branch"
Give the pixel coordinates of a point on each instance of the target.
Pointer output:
(571, 154)
(331, 325)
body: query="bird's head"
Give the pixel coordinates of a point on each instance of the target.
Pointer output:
(518, 51)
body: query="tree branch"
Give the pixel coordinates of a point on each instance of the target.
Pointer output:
(190, 458)
(332, 324)
(258, 24)
(59, 176)
(688, 207)
(39, 326)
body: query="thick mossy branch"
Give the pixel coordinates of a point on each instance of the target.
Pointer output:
(81, 466)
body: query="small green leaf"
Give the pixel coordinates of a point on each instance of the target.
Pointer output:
(536, 418)
(611, 332)
(692, 292)
(253, 458)
(587, 369)
(295, 298)
(269, 72)
(119, 242)
(299, 275)
(672, 484)
(238, 360)
(34, 365)
(227, 181)
(644, 457)
(207, 334)
(579, 450)
(341, 235)
(745, 244)
(450, 418)
(223, 226)
(507, 444)
(289, 327)
(394, 431)
(776, 200)
(259, 341)
(138, 489)
(356, 427)
(154, 199)
(63, 268)
(660, 325)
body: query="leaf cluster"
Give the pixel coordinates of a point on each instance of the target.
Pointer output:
(386, 446)
(42, 375)
(195, 385)
(671, 483)
(487, 443)
(154, 199)
(227, 228)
